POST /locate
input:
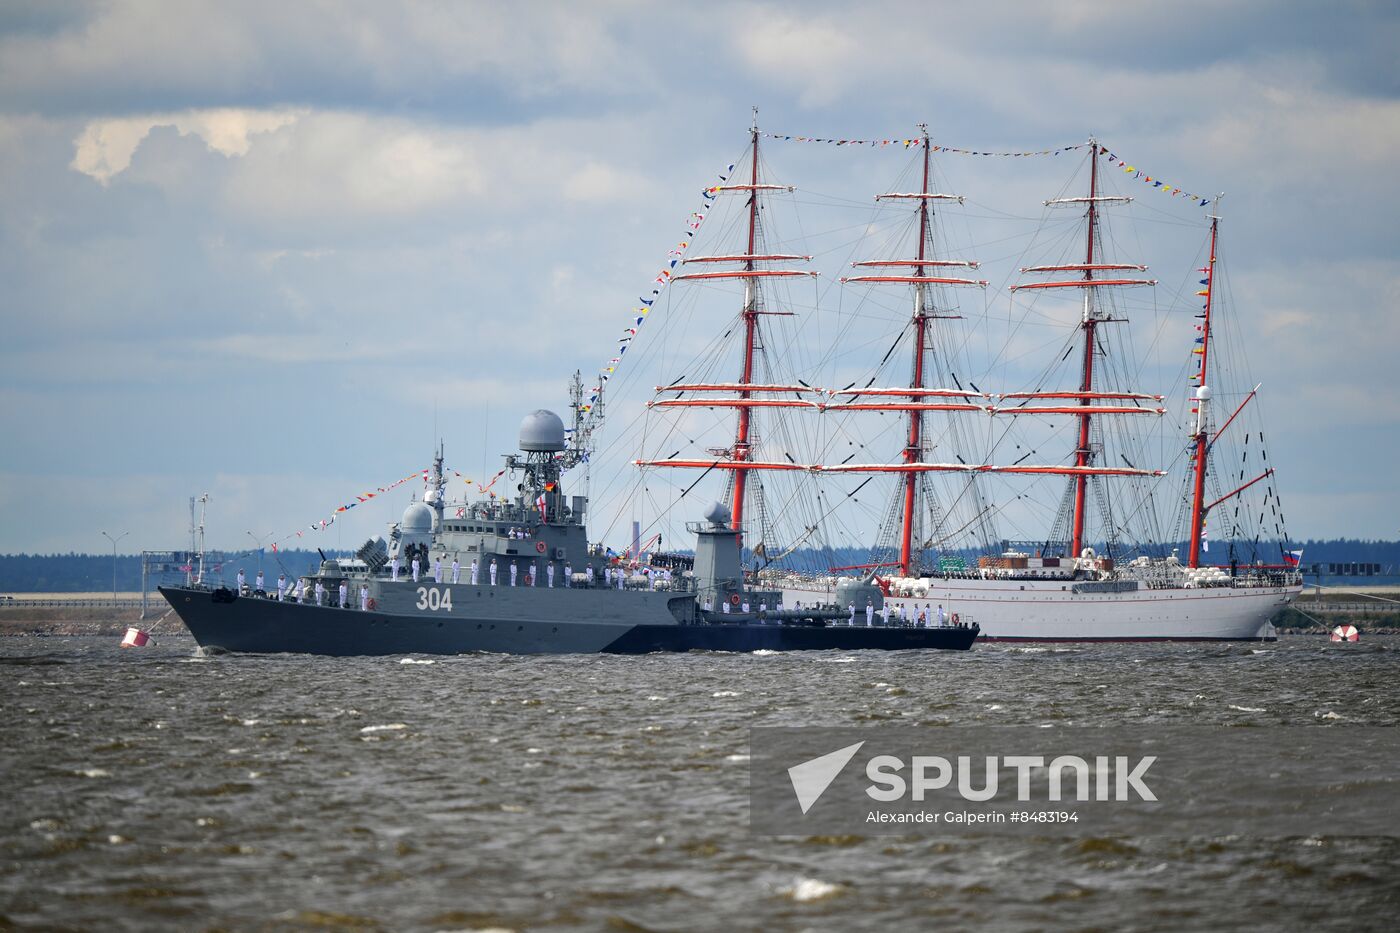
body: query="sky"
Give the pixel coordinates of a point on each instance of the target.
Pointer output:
(272, 251)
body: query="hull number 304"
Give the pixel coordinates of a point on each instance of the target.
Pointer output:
(434, 599)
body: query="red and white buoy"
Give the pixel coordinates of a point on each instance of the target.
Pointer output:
(1345, 633)
(135, 638)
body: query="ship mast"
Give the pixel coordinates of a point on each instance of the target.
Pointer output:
(1082, 453)
(912, 451)
(1088, 400)
(753, 268)
(923, 269)
(750, 314)
(1203, 394)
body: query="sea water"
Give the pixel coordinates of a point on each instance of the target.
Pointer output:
(156, 788)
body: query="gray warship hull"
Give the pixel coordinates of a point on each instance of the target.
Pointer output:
(515, 621)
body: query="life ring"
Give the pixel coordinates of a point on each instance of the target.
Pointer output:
(734, 599)
(540, 546)
(955, 618)
(370, 603)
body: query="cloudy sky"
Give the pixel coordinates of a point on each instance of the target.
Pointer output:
(270, 251)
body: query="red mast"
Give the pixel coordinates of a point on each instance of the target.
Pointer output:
(750, 273)
(1082, 453)
(1086, 408)
(741, 433)
(1201, 439)
(912, 451)
(925, 274)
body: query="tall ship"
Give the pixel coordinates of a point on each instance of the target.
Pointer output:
(1122, 552)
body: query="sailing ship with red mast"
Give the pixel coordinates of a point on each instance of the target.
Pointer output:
(1083, 579)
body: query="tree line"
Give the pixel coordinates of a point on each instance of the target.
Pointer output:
(77, 573)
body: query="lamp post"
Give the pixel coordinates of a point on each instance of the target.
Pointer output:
(114, 560)
(259, 542)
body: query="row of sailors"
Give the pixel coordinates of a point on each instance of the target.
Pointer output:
(298, 591)
(924, 615)
(893, 615)
(659, 576)
(610, 578)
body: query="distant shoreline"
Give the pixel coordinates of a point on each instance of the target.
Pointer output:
(84, 614)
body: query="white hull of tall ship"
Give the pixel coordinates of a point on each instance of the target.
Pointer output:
(1049, 611)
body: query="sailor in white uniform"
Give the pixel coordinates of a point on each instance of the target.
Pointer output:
(320, 592)
(476, 571)
(869, 613)
(415, 567)
(549, 574)
(456, 570)
(513, 570)
(258, 582)
(493, 571)
(344, 595)
(364, 597)
(568, 576)
(281, 586)
(437, 570)
(241, 580)
(852, 619)
(394, 568)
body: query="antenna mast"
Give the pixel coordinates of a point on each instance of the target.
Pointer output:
(203, 508)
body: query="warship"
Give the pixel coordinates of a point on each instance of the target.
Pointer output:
(527, 581)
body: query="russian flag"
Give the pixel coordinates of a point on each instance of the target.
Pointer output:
(1293, 558)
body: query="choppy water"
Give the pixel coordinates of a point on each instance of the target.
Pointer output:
(151, 789)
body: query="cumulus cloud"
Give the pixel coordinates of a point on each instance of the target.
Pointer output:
(105, 147)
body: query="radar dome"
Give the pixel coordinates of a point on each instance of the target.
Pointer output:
(417, 520)
(1203, 392)
(541, 431)
(717, 514)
